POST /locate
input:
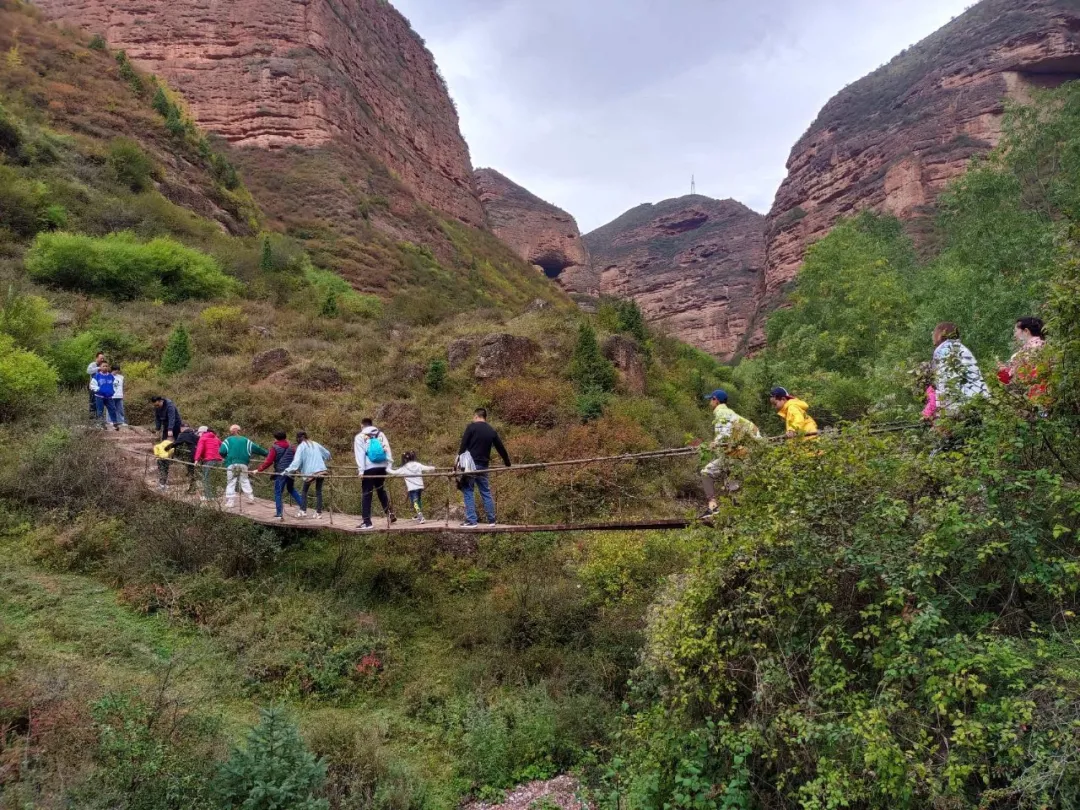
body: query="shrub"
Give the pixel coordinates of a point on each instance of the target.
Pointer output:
(435, 376)
(528, 402)
(130, 166)
(26, 381)
(71, 356)
(97, 43)
(26, 319)
(177, 354)
(24, 207)
(128, 74)
(228, 320)
(121, 266)
(274, 771)
(348, 301)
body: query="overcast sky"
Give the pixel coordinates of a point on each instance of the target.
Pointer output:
(600, 105)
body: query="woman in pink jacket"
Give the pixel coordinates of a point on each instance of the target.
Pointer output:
(208, 454)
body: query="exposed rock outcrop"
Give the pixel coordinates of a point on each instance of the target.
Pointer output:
(504, 356)
(693, 264)
(300, 73)
(270, 361)
(543, 235)
(892, 141)
(625, 354)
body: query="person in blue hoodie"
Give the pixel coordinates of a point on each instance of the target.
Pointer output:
(310, 462)
(103, 384)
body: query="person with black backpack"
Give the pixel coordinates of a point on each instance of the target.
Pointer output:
(373, 456)
(281, 456)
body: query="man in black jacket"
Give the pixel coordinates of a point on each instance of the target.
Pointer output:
(477, 441)
(166, 417)
(183, 449)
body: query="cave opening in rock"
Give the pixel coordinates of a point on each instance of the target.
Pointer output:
(552, 265)
(1050, 73)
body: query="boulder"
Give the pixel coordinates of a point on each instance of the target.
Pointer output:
(313, 376)
(460, 351)
(504, 356)
(397, 415)
(625, 354)
(268, 362)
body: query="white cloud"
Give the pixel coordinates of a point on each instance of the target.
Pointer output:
(600, 105)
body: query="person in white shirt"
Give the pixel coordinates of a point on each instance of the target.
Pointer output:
(118, 395)
(91, 370)
(413, 472)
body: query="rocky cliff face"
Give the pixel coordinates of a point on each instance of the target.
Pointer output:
(693, 264)
(281, 73)
(543, 235)
(892, 141)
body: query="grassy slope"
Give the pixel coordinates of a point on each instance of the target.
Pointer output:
(529, 634)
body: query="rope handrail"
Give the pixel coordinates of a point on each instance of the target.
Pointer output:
(544, 465)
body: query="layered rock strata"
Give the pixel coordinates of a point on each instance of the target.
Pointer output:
(543, 235)
(283, 73)
(893, 140)
(693, 264)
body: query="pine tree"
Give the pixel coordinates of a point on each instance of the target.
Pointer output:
(161, 102)
(435, 378)
(632, 321)
(274, 770)
(266, 263)
(177, 356)
(592, 373)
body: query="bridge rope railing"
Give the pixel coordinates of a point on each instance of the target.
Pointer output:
(658, 486)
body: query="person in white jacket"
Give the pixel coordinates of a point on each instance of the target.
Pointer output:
(413, 472)
(373, 456)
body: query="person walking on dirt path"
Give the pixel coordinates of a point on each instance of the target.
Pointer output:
(237, 451)
(731, 434)
(413, 473)
(475, 452)
(103, 386)
(207, 456)
(794, 413)
(183, 450)
(166, 417)
(281, 456)
(373, 455)
(91, 370)
(118, 396)
(310, 462)
(163, 454)
(957, 378)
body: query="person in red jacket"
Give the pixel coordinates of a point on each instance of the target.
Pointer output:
(208, 456)
(1028, 368)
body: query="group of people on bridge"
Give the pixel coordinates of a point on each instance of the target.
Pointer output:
(953, 378)
(953, 381)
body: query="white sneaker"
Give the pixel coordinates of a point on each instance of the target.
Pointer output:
(301, 514)
(318, 516)
(163, 487)
(250, 500)
(420, 519)
(230, 504)
(366, 527)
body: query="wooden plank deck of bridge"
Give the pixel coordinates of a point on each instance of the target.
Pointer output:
(138, 442)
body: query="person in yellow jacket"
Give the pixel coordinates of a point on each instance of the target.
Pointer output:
(163, 454)
(731, 434)
(794, 413)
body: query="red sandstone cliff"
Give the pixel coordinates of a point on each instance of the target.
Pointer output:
(693, 264)
(543, 235)
(892, 141)
(284, 73)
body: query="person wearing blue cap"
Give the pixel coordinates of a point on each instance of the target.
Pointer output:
(731, 433)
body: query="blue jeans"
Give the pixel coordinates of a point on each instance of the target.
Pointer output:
(416, 498)
(105, 405)
(283, 484)
(120, 415)
(480, 481)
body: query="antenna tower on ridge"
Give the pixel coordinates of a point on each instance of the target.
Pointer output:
(693, 185)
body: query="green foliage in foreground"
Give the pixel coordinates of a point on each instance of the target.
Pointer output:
(873, 627)
(121, 266)
(274, 770)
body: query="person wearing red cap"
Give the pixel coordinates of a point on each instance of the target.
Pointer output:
(731, 434)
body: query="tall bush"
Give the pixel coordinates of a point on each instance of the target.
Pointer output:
(121, 266)
(130, 165)
(25, 318)
(592, 373)
(26, 381)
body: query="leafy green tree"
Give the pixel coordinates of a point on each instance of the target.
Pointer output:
(177, 355)
(273, 771)
(435, 378)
